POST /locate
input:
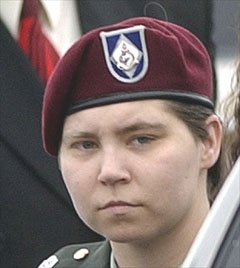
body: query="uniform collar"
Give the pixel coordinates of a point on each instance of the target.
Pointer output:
(113, 263)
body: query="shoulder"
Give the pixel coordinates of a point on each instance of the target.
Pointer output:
(82, 255)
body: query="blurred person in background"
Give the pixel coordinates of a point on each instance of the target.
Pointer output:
(230, 111)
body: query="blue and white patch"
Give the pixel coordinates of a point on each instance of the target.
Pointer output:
(125, 53)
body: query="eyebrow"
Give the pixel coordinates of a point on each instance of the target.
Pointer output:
(142, 125)
(74, 135)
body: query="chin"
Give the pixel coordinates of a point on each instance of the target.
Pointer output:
(124, 236)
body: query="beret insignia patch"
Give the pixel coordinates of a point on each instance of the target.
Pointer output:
(125, 53)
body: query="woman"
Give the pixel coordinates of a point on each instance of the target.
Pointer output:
(129, 114)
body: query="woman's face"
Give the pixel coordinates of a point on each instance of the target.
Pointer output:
(133, 170)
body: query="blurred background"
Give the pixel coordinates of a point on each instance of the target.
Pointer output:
(225, 35)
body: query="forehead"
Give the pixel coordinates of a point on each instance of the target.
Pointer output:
(121, 114)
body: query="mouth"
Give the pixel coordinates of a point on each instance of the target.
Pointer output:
(119, 207)
(117, 204)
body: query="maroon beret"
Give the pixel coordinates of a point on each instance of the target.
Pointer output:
(139, 58)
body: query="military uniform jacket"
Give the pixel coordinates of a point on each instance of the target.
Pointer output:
(88, 255)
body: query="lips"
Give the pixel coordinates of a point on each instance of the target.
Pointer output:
(119, 208)
(118, 204)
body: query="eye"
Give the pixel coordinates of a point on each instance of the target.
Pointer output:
(142, 140)
(85, 145)
(88, 145)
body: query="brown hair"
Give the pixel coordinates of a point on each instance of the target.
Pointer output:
(194, 116)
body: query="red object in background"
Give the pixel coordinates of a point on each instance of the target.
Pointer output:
(33, 41)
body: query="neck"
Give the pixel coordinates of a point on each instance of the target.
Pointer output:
(168, 250)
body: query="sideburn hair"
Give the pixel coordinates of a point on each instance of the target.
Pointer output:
(194, 116)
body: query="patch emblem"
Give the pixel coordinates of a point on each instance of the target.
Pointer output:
(125, 53)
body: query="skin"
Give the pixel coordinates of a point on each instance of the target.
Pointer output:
(137, 176)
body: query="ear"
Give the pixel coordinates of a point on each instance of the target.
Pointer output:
(212, 144)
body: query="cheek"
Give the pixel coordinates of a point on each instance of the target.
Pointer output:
(176, 171)
(174, 188)
(79, 186)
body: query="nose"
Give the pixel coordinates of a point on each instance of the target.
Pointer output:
(113, 168)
